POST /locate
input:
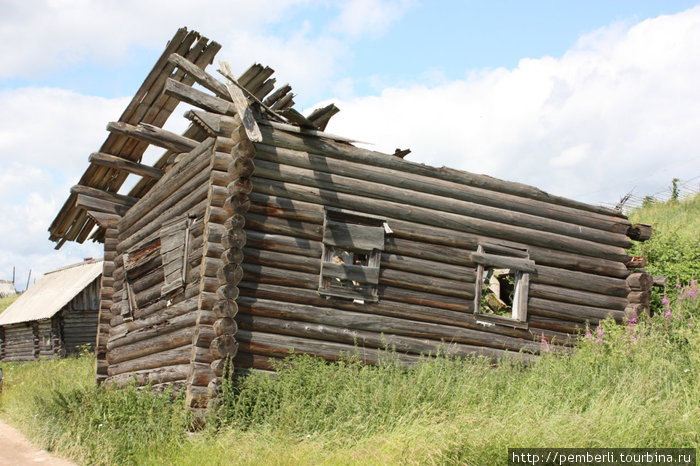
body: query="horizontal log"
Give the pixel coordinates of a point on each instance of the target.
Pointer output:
(93, 204)
(580, 281)
(162, 327)
(154, 345)
(254, 361)
(153, 135)
(396, 285)
(113, 161)
(166, 195)
(319, 177)
(639, 232)
(426, 216)
(413, 236)
(364, 339)
(431, 185)
(381, 324)
(159, 375)
(568, 295)
(574, 312)
(171, 357)
(310, 144)
(404, 311)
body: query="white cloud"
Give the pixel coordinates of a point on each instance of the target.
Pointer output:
(46, 136)
(616, 111)
(373, 17)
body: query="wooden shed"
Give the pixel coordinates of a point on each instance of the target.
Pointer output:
(55, 316)
(7, 288)
(257, 232)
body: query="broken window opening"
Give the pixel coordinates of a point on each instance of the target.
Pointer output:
(503, 278)
(351, 257)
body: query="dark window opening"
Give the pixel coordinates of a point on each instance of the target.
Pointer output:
(351, 256)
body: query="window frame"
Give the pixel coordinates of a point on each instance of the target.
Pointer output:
(351, 234)
(495, 256)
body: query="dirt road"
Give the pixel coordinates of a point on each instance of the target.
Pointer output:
(15, 449)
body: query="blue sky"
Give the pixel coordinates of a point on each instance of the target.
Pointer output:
(588, 100)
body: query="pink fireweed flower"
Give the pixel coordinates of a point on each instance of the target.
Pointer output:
(589, 336)
(545, 345)
(664, 300)
(632, 320)
(668, 314)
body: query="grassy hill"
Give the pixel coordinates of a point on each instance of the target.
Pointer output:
(674, 248)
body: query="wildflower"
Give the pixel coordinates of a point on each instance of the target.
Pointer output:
(589, 336)
(632, 320)
(686, 370)
(545, 344)
(668, 313)
(665, 301)
(600, 333)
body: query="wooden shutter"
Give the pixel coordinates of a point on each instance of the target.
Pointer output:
(174, 242)
(344, 242)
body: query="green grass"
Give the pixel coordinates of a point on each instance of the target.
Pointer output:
(674, 248)
(638, 386)
(6, 301)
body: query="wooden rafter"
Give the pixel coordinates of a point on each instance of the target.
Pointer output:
(108, 160)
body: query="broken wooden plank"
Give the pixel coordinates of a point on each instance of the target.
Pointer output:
(113, 161)
(153, 135)
(321, 116)
(103, 219)
(198, 98)
(105, 195)
(200, 76)
(90, 203)
(241, 103)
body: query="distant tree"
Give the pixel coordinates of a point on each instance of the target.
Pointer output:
(648, 201)
(674, 189)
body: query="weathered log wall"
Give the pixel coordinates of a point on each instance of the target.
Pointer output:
(438, 217)
(20, 342)
(79, 319)
(152, 326)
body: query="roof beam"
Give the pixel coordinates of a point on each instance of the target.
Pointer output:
(241, 103)
(113, 161)
(198, 98)
(104, 220)
(199, 75)
(101, 194)
(93, 204)
(153, 135)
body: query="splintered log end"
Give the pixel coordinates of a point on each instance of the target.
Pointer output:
(639, 232)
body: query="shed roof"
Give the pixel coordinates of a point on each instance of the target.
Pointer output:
(51, 292)
(7, 288)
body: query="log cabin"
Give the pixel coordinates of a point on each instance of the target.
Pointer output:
(258, 232)
(54, 317)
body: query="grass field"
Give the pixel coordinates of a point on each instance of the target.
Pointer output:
(625, 386)
(635, 385)
(6, 301)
